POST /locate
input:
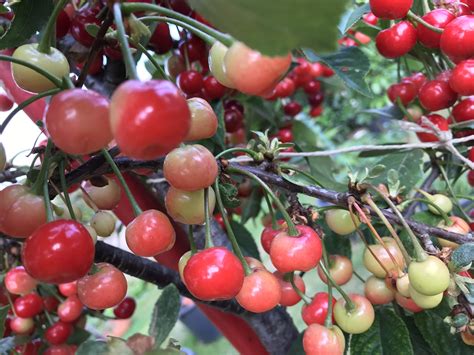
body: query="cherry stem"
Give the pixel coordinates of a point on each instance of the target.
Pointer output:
(350, 306)
(192, 242)
(419, 252)
(250, 152)
(230, 232)
(328, 320)
(24, 104)
(43, 181)
(292, 231)
(122, 38)
(291, 278)
(358, 276)
(404, 109)
(44, 46)
(152, 60)
(67, 199)
(418, 19)
(136, 209)
(139, 7)
(443, 214)
(37, 187)
(209, 242)
(271, 211)
(89, 200)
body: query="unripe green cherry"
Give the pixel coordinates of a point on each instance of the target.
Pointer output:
(188, 206)
(383, 256)
(53, 62)
(403, 283)
(3, 157)
(357, 320)
(340, 221)
(458, 226)
(424, 301)
(429, 277)
(216, 64)
(183, 260)
(63, 212)
(377, 292)
(442, 201)
(103, 223)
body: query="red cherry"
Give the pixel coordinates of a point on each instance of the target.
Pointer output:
(462, 78)
(404, 91)
(469, 3)
(50, 303)
(436, 95)
(407, 303)
(292, 108)
(440, 122)
(104, 289)
(79, 22)
(417, 79)
(233, 120)
(470, 177)
(457, 39)
(96, 65)
(180, 6)
(125, 308)
(22, 326)
(58, 333)
(62, 24)
(260, 292)
(70, 309)
(397, 40)
(190, 82)
(285, 135)
(370, 19)
(318, 340)
(301, 252)
(214, 274)
(18, 281)
(312, 87)
(316, 99)
(289, 297)
(68, 289)
(194, 48)
(31, 348)
(340, 269)
(285, 88)
(317, 310)
(62, 349)
(214, 89)
(58, 252)
(234, 104)
(150, 233)
(327, 72)
(438, 18)
(5, 103)
(316, 111)
(148, 118)
(161, 40)
(464, 110)
(390, 10)
(28, 306)
(268, 234)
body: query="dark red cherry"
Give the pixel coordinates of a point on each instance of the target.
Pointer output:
(464, 110)
(161, 40)
(285, 135)
(233, 120)
(63, 23)
(312, 87)
(292, 108)
(125, 308)
(190, 82)
(436, 95)
(79, 22)
(194, 48)
(316, 99)
(213, 89)
(405, 92)
(397, 40)
(439, 121)
(58, 333)
(417, 79)
(462, 78)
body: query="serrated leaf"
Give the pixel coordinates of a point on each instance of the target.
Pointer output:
(245, 240)
(3, 317)
(388, 335)
(352, 17)
(349, 63)
(165, 314)
(276, 26)
(462, 256)
(420, 346)
(30, 16)
(229, 194)
(111, 347)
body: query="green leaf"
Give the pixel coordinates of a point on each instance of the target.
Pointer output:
(300, 179)
(462, 256)
(4, 9)
(251, 206)
(111, 347)
(79, 336)
(352, 17)
(229, 194)
(297, 346)
(276, 27)
(420, 346)
(30, 16)
(388, 335)
(219, 138)
(3, 317)
(6, 344)
(336, 244)
(422, 217)
(165, 314)
(245, 240)
(349, 63)
(388, 112)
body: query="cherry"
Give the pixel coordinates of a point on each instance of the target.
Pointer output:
(268, 234)
(161, 40)
(96, 65)
(316, 111)
(233, 120)
(428, 277)
(125, 308)
(370, 19)
(104, 196)
(5, 103)
(371, 263)
(58, 252)
(68, 289)
(458, 226)
(63, 349)
(390, 10)
(18, 281)
(183, 260)
(340, 221)
(234, 105)
(292, 108)
(214, 274)
(213, 89)
(470, 177)
(79, 22)
(405, 92)
(190, 82)
(150, 233)
(50, 303)
(31, 348)
(357, 320)
(301, 252)
(22, 326)
(203, 120)
(58, 333)
(318, 340)
(441, 201)
(190, 168)
(437, 120)
(289, 297)
(78, 121)
(285, 135)
(457, 39)
(103, 223)
(216, 64)
(70, 309)
(312, 86)
(103, 289)
(180, 6)
(462, 78)
(28, 306)
(417, 79)
(469, 3)
(188, 207)
(464, 110)
(317, 310)
(194, 48)
(285, 88)
(316, 99)
(63, 23)
(148, 118)
(402, 284)
(260, 291)
(340, 269)
(438, 18)
(407, 303)
(377, 292)
(424, 301)
(397, 40)
(174, 65)
(251, 72)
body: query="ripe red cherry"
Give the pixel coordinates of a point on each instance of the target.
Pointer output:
(260, 292)
(440, 122)
(457, 39)
(377, 292)
(21, 212)
(404, 91)
(148, 118)
(79, 22)
(149, 234)
(194, 48)
(470, 177)
(58, 333)
(22, 326)
(318, 340)
(190, 168)
(436, 95)
(289, 297)
(104, 289)
(31, 348)
(50, 303)
(233, 120)
(417, 79)
(438, 18)
(285, 135)
(464, 110)
(316, 111)
(58, 252)
(292, 108)
(63, 349)
(312, 86)
(78, 121)
(390, 10)
(5, 103)
(462, 78)
(370, 19)
(317, 310)
(214, 274)
(316, 99)
(70, 309)
(407, 303)
(268, 234)
(68, 289)
(161, 40)
(19, 282)
(28, 306)
(301, 253)
(190, 82)
(213, 89)
(105, 197)
(285, 88)
(203, 120)
(125, 308)
(340, 269)
(397, 40)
